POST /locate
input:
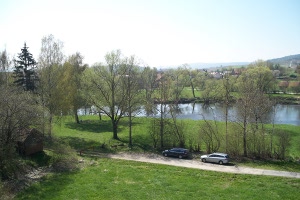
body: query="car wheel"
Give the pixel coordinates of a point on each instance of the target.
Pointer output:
(221, 162)
(180, 156)
(203, 160)
(166, 155)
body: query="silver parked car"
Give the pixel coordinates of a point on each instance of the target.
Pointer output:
(220, 158)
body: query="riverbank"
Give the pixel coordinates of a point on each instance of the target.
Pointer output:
(285, 99)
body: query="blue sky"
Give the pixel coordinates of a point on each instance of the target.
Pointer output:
(159, 32)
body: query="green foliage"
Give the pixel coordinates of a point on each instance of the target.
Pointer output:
(24, 72)
(18, 110)
(62, 156)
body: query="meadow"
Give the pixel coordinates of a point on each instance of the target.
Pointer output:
(104, 178)
(118, 179)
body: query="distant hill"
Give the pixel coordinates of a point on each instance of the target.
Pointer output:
(209, 65)
(216, 65)
(287, 61)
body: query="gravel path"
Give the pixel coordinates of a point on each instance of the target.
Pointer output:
(197, 164)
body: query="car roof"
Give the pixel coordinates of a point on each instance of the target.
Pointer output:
(222, 154)
(180, 148)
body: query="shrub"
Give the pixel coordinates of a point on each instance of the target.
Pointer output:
(63, 157)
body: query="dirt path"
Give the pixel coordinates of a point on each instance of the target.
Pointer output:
(197, 164)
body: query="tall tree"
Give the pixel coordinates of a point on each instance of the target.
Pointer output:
(165, 94)
(50, 65)
(133, 87)
(5, 64)
(18, 110)
(180, 79)
(25, 70)
(149, 77)
(71, 83)
(105, 86)
(253, 104)
(226, 90)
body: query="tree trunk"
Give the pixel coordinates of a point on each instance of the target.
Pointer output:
(193, 89)
(130, 131)
(115, 130)
(76, 116)
(245, 138)
(161, 127)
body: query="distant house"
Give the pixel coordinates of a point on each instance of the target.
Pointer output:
(30, 141)
(276, 73)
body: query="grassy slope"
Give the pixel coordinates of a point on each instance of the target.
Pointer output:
(94, 133)
(118, 179)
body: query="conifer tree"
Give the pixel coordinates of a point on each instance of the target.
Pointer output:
(24, 72)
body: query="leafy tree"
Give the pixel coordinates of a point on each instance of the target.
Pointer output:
(165, 93)
(18, 110)
(5, 64)
(24, 72)
(210, 135)
(253, 104)
(149, 84)
(105, 88)
(71, 84)
(192, 77)
(132, 85)
(50, 70)
(180, 79)
(211, 91)
(264, 79)
(226, 89)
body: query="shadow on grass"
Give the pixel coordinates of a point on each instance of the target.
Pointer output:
(80, 143)
(94, 126)
(40, 158)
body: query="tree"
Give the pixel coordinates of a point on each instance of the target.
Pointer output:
(24, 72)
(179, 80)
(225, 91)
(71, 83)
(18, 110)
(263, 76)
(252, 103)
(149, 84)
(164, 88)
(50, 70)
(105, 85)
(211, 91)
(5, 64)
(132, 85)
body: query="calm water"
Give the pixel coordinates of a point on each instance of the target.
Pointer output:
(282, 114)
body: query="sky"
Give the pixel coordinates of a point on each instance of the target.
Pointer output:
(158, 32)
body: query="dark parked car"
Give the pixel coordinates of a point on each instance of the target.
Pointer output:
(220, 158)
(176, 152)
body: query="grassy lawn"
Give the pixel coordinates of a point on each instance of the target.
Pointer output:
(119, 179)
(104, 178)
(92, 133)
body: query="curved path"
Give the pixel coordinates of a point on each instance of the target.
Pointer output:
(197, 164)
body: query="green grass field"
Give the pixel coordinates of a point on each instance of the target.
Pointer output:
(119, 179)
(104, 178)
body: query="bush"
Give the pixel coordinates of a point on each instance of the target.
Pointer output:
(4, 194)
(63, 157)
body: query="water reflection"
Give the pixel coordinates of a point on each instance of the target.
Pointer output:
(282, 114)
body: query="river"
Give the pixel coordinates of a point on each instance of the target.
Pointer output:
(282, 114)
